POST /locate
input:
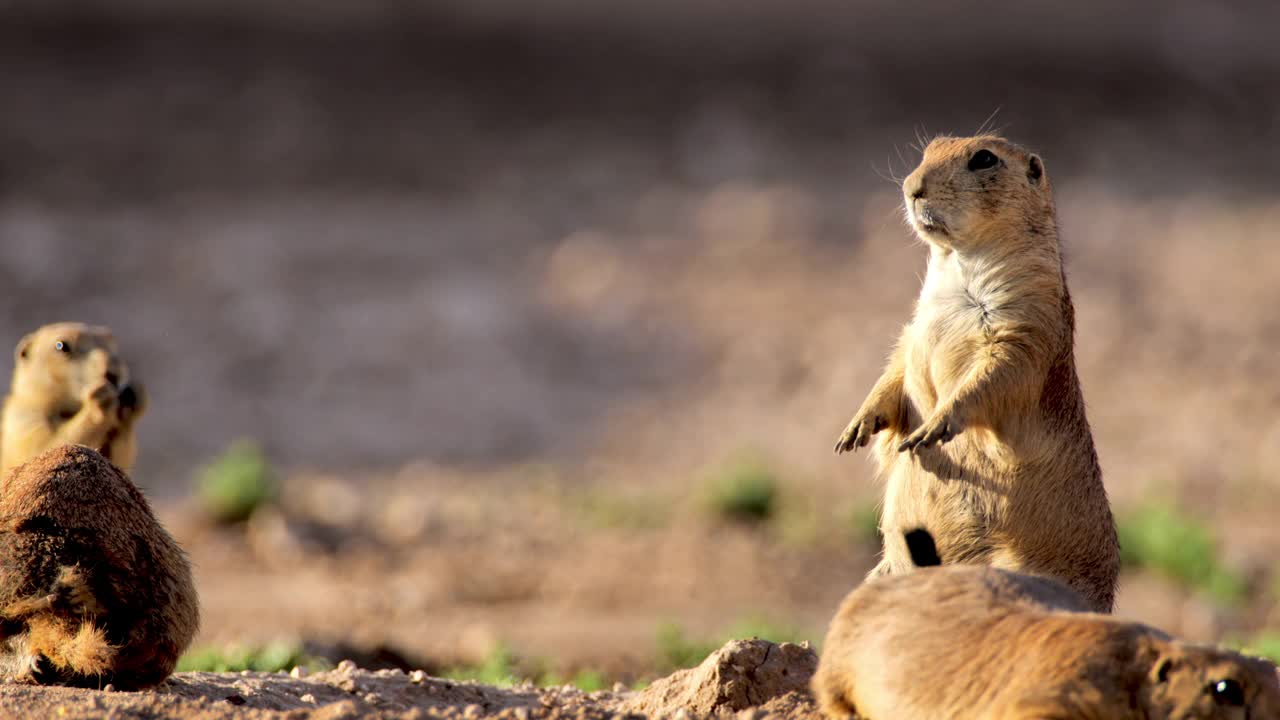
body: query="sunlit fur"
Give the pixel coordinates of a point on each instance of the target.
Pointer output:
(965, 642)
(59, 398)
(92, 588)
(981, 421)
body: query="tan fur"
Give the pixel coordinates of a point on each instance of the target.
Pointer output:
(79, 395)
(981, 421)
(92, 588)
(75, 646)
(964, 642)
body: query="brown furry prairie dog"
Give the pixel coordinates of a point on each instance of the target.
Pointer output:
(70, 387)
(981, 422)
(965, 641)
(92, 588)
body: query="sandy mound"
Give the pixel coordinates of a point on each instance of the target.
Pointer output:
(751, 677)
(741, 675)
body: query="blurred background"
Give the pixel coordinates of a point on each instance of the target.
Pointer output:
(513, 337)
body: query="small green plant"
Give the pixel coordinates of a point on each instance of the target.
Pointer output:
(1162, 539)
(746, 491)
(237, 483)
(272, 657)
(500, 669)
(676, 650)
(1266, 645)
(588, 680)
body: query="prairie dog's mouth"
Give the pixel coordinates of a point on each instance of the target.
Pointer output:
(926, 220)
(933, 227)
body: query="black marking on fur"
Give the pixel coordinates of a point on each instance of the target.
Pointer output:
(41, 524)
(923, 550)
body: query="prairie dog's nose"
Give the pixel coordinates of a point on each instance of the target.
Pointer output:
(913, 186)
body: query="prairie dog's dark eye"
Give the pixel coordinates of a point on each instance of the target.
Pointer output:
(63, 346)
(982, 160)
(1227, 692)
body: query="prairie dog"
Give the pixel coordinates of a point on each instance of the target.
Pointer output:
(964, 641)
(981, 425)
(92, 589)
(70, 386)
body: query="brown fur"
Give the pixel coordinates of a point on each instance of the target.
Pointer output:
(983, 436)
(80, 395)
(965, 642)
(92, 588)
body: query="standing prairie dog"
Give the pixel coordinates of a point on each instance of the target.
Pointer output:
(981, 421)
(965, 641)
(93, 590)
(70, 386)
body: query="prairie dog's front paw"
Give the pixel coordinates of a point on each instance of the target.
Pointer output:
(102, 401)
(939, 429)
(860, 429)
(133, 401)
(28, 668)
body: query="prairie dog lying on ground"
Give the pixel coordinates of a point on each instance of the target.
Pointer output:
(964, 641)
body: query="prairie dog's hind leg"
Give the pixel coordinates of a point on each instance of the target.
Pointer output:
(70, 592)
(73, 592)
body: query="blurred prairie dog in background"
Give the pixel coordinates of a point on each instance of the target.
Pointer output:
(966, 641)
(70, 386)
(981, 425)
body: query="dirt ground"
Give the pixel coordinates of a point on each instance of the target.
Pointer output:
(752, 679)
(443, 570)
(536, 571)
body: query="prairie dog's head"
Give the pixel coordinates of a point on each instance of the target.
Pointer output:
(58, 363)
(1190, 682)
(975, 190)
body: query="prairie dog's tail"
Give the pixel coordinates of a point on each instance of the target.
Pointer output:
(923, 550)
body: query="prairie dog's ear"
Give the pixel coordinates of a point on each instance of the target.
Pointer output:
(1035, 170)
(24, 348)
(1161, 669)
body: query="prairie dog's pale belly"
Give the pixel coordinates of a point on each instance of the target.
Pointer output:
(948, 326)
(951, 323)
